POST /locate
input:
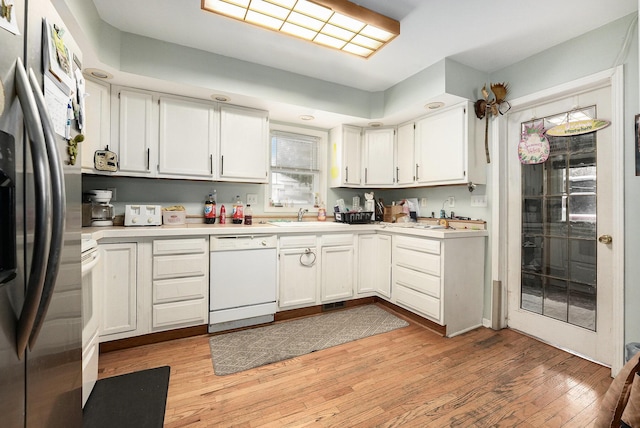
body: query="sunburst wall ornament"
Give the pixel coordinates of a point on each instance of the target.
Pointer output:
(498, 105)
(533, 147)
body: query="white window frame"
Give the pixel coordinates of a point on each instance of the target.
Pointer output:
(322, 164)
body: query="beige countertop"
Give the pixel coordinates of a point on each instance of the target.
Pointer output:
(310, 227)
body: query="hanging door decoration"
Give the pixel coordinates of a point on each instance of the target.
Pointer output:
(533, 147)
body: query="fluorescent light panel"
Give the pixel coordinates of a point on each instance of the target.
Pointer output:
(339, 24)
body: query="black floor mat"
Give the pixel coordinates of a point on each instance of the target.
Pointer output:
(136, 399)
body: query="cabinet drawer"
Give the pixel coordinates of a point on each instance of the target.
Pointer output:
(417, 281)
(419, 244)
(417, 260)
(301, 241)
(422, 303)
(337, 239)
(180, 266)
(192, 312)
(173, 290)
(179, 246)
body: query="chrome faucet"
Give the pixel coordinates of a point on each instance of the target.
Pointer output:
(301, 212)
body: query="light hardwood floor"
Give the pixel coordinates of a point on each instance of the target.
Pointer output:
(410, 377)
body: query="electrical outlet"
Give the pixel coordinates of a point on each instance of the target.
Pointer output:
(113, 193)
(252, 199)
(479, 200)
(452, 201)
(423, 202)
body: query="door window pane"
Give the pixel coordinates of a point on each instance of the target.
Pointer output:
(559, 224)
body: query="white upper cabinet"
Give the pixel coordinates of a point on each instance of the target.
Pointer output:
(187, 138)
(445, 149)
(346, 156)
(379, 157)
(244, 145)
(134, 131)
(96, 130)
(405, 164)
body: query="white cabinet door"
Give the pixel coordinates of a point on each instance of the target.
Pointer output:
(374, 264)
(244, 145)
(442, 149)
(119, 293)
(383, 266)
(378, 157)
(405, 163)
(136, 150)
(298, 273)
(337, 281)
(346, 156)
(188, 132)
(97, 132)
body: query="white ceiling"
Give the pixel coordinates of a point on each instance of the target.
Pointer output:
(486, 35)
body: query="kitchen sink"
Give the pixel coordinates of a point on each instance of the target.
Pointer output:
(284, 223)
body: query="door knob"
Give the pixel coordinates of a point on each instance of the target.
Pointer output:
(605, 239)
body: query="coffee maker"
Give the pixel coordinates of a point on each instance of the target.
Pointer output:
(98, 211)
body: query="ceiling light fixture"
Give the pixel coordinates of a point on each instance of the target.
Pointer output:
(434, 105)
(221, 98)
(100, 74)
(338, 24)
(307, 117)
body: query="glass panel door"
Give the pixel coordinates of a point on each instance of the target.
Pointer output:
(558, 259)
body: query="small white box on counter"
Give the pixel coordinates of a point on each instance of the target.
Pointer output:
(174, 218)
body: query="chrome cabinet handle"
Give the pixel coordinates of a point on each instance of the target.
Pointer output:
(417, 175)
(211, 164)
(148, 159)
(346, 174)
(397, 174)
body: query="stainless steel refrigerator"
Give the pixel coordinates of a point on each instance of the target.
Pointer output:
(40, 219)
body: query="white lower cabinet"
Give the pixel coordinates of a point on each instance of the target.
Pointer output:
(119, 293)
(374, 265)
(297, 272)
(180, 287)
(153, 285)
(442, 280)
(156, 284)
(338, 265)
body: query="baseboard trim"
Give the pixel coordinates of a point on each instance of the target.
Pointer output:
(163, 336)
(148, 339)
(436, 328)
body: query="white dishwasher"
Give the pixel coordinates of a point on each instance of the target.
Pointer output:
(242, 281)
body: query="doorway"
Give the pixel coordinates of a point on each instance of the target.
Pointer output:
(560, 262)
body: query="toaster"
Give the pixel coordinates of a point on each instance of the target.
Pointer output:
(142, 215)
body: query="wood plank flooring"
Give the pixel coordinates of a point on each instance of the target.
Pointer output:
(409, 377)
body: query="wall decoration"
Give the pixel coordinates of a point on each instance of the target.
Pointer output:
(578, 127)
(533, 147)
(498, 105)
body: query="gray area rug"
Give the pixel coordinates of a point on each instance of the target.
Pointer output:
(246, 349)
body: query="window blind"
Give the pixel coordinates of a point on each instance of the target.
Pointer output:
(294, 151)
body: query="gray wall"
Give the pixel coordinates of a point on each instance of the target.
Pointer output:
(579, 57)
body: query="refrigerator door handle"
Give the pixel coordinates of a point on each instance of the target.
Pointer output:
(42, 226)
(58, 209)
